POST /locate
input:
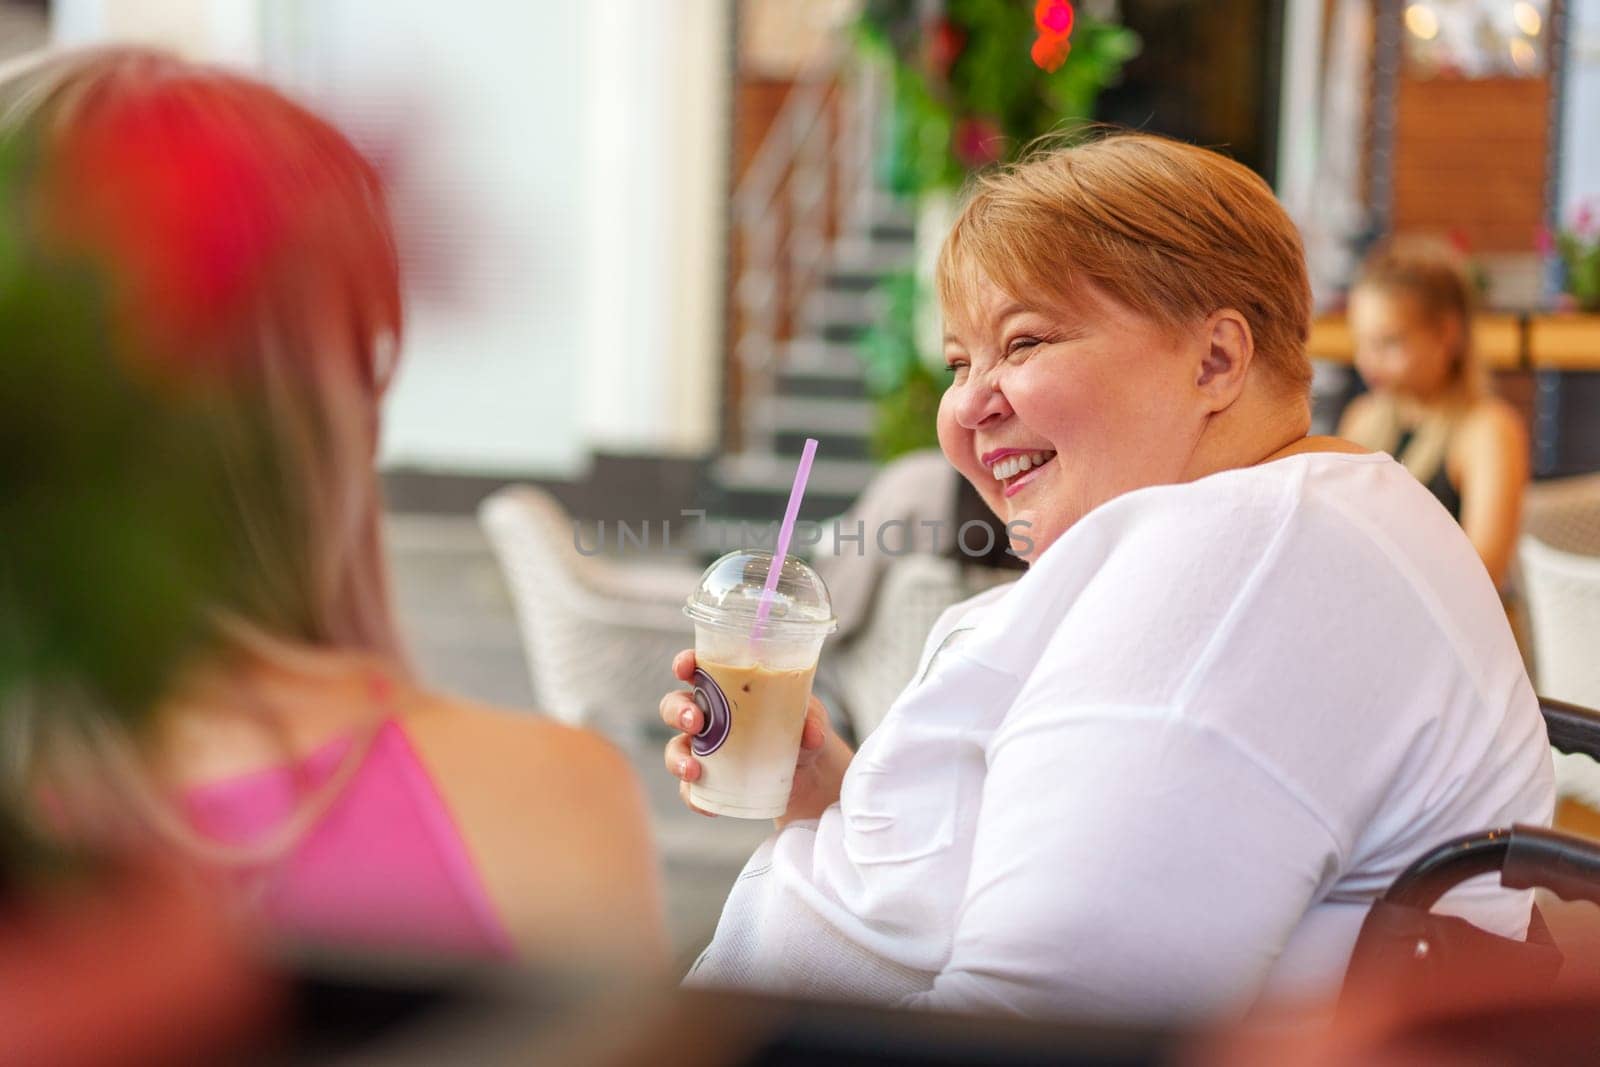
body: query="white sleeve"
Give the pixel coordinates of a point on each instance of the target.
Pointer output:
(1128, 864)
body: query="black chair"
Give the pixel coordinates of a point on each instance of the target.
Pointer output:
(1401, 934)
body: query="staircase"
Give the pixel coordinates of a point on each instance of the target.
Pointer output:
(810, 383)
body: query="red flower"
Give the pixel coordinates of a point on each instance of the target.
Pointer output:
(944, 45)
(978, 142)
(1460, 241)
(186, 215)
(1050, 52)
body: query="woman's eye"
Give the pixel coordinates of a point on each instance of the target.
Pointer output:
(1021, 344)
(955, 369)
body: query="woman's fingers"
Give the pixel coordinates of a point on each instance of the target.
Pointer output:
(679, 711)
(680, 764)
(815, 731)
(812, 734)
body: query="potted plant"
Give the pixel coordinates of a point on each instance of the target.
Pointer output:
(1578, 248)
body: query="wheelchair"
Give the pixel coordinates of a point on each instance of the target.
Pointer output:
(1403, 942)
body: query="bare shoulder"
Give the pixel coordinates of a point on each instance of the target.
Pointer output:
(556, 821)
(524, 742)
(1492, 425)
(1492, 416)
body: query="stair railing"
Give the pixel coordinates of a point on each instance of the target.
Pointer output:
(809, 180)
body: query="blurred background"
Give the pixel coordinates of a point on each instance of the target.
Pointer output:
(651, 247)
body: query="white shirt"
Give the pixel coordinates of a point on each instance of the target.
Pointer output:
(1170, 767)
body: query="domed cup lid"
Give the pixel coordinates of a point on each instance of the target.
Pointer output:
(729, 595)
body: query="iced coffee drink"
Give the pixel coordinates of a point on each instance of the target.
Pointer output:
(753, 680)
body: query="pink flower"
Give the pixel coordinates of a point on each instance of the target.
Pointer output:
(1542, 240)
(1053, 17)
(978, 142)
(1585, 221)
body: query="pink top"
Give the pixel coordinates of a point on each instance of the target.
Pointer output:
(383, 867)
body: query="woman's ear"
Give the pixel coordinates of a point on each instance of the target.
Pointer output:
(1229, 348)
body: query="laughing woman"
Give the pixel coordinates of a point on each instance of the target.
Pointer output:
(1248, 676)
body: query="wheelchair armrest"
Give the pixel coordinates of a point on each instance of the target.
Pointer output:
(1566, 865)
(1572, 728)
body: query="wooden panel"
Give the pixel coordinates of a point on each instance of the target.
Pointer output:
(1498, 341)
(1330, 340)
(1470, 159)
(1565, 342)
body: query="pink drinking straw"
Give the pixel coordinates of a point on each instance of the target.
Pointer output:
(792, 512)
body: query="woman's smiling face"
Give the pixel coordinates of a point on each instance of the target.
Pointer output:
(1094, 402)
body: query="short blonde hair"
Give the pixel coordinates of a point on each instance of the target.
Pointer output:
(1172, 231)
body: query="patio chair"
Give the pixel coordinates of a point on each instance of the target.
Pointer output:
(1559, 556)
(871, 668)
(598, 635)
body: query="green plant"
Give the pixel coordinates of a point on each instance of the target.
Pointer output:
(905, 388)
(968, 93)
(108, 551)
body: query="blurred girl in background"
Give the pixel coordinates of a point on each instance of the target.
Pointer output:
(1429, 403)
(248, 269)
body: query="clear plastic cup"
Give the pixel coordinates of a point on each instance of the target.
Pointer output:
(752, 681)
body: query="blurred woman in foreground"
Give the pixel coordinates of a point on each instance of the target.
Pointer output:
(249, 276)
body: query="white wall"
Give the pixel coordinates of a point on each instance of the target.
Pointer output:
(564, 177)
(218, 30)
(657, 95)
(473, 103)
(1580, 135)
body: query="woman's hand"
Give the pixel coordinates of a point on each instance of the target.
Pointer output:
(819, 769)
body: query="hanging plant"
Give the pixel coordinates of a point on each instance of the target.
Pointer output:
(905, 388)
(974, 81)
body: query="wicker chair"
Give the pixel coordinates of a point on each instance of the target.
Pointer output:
(598, 635)
(1559, 556)
(870, 669)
